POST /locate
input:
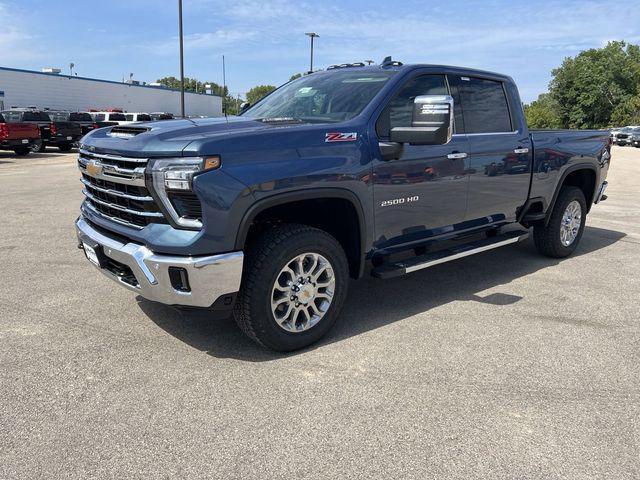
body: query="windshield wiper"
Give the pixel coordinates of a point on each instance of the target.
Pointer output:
(280, 120)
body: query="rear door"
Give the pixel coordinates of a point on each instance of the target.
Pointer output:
(424, 192)
(499, 162)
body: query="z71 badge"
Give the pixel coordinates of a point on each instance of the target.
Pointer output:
(340, 137)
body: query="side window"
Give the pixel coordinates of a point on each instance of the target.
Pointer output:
(99, 117)
(129, 117)
(484, 105)
(399, 110)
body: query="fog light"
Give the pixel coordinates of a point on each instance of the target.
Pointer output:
(179, 279)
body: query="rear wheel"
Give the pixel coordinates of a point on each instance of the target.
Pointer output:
(294, 285)
(22, 151)
(37, 146)
(560, 237)
(65, 147)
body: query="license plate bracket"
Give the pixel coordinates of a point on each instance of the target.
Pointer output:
(94, 254)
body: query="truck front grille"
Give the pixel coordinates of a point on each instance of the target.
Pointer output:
(114, 188)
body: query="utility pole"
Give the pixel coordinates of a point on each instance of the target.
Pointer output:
(369, 62)
(181, 59)
(311, 35)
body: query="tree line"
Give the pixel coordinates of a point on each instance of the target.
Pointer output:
(598, 88)
(231, 105)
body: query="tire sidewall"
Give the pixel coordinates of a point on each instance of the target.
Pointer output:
(308, 242)
(573, 194)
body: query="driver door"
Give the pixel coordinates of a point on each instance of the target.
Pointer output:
(423, 193)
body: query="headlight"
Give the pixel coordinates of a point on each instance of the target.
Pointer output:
(176, 175)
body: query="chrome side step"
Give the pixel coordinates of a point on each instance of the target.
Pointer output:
(436, 258)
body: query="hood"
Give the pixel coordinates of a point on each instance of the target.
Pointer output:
(172, 137)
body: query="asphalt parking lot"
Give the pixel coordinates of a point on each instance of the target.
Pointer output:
(502, 365)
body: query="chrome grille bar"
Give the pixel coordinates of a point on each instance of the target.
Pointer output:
(116, 193)
(122, 209)
(109, 217)
(104, 156)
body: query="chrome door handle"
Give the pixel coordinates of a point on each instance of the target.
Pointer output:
(454, 156)
(521, 150)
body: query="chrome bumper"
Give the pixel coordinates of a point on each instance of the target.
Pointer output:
(210, 277)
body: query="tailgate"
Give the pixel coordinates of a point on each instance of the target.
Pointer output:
(18, 131)
(65, 129)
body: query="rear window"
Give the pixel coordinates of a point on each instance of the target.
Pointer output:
(58, 116)
(143, 117)
(484, 105)
(12, 117)
(117, 117)
(36, 117)
(80, 117)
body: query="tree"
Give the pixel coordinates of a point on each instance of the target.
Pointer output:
(294, 76)
(590, 87)
(543, 113)
(193, 85)
(257, 93)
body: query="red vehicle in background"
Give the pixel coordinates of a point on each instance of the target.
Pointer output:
(18, 136)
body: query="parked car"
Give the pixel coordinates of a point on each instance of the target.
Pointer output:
(624, 135)
(341, 172)
(634, 138)
(83, 119)
(133, 117)
(62, 134)
(161, 116)
(108, 119)
(17, 136)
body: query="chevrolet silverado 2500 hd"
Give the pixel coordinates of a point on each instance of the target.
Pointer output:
(385, 169)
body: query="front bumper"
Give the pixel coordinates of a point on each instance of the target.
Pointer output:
(209, 277)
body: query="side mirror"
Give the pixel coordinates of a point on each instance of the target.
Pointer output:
(432, 122)
(244, 106)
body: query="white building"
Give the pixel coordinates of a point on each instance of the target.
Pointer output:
(26, 88)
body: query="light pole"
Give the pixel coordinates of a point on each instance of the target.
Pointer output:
(369, 62)
(181, 59)
(311, 35)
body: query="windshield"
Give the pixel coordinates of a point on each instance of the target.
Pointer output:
(322, 97)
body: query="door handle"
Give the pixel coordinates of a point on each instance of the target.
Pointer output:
(521, 150)
(456, 155)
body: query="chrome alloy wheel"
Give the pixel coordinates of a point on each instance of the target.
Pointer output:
(571, 221)
(302, 292)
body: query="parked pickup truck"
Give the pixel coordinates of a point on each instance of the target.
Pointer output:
(59, 133)
(83, 119)
(19, 137)
(385, 169)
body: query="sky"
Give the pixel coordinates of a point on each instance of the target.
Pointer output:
(264, 42)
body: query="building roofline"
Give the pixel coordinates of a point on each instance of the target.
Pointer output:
(74, 77)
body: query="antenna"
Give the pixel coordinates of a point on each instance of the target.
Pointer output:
(224, 87)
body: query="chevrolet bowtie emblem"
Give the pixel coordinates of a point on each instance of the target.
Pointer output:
(94, 168)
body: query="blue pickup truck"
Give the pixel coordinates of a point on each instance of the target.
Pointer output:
(384, 170)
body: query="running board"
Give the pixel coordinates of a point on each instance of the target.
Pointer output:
(436, 258)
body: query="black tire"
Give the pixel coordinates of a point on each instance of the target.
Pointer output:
(41, 147)
(548, 238)
(65, 147)
(22, 151)
(265, 258)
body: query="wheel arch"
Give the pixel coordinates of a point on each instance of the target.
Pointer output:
(583, 176)
(355, 253)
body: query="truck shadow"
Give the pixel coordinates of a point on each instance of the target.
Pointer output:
(375, 303)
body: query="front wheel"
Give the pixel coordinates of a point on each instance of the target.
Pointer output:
(560, 237)
(293, 287)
